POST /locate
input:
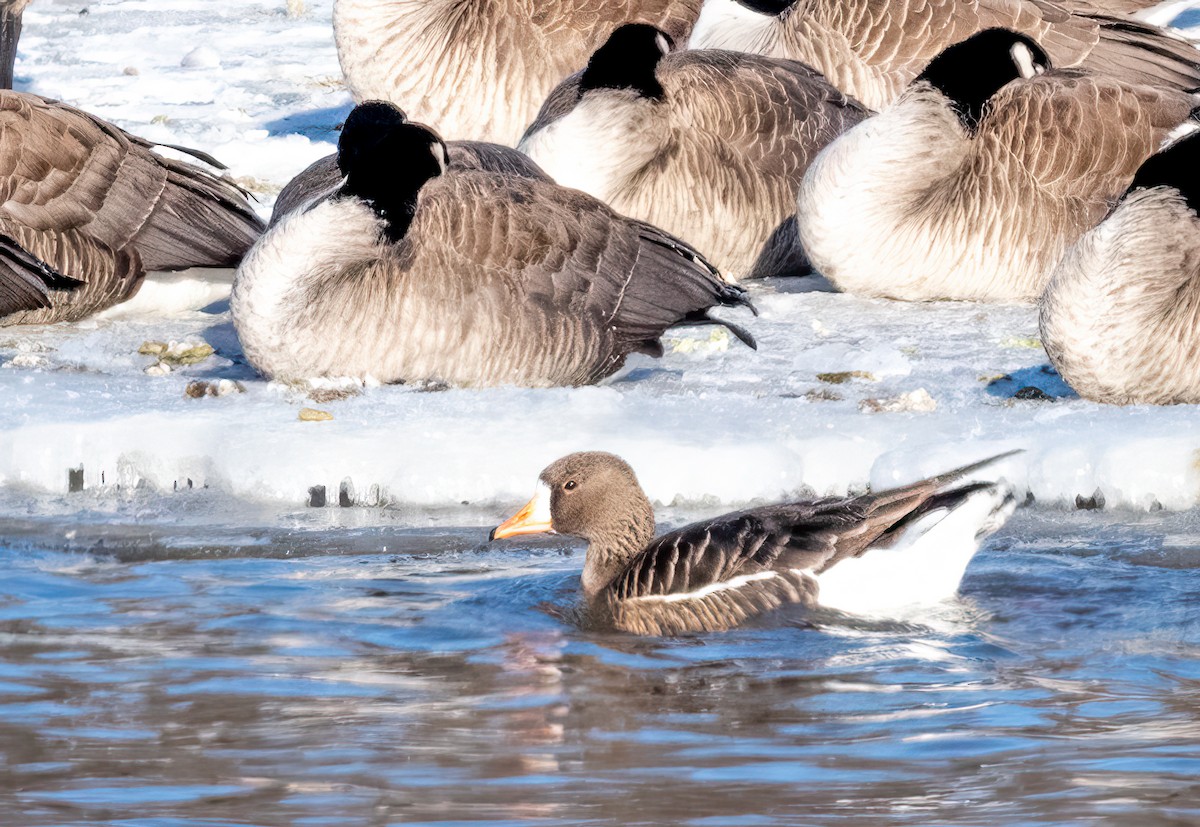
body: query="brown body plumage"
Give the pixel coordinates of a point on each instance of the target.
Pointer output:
(716, 158)
(916, 204)
(872, 49)
(715, 574)
(414, 271)
(1120, 318)
(480, 69)
(86, 209)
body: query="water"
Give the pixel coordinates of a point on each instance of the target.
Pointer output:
(302, 675)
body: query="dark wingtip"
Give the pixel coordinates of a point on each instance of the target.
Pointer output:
(492, 535)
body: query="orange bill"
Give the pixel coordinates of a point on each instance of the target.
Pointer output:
(534, 518)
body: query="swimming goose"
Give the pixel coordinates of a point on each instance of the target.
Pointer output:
(479, 69)
(708, 145)
(10, 33)
(86, 209)
(323, 175)
(973, 184)
(867, 554)
(410, 272)
(1120, 317)
(872, 49)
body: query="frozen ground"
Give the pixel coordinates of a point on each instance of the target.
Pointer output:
(709, 426)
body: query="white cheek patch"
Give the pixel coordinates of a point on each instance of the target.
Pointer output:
(663, 45)
(438, 149)
(541, 504)
(1022, 55)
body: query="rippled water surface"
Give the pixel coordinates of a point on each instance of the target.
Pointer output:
(373, 676)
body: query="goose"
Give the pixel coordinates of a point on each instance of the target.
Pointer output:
(869, 554)
(872, 49)
(11, 12)
(324, 175)
(1120, 317)
(412, 272)
(86, 209)
(479, 69)
(973, 184)
(709, 145)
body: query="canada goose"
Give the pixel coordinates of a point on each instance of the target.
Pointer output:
(1120, 317)
(479, 69)
(972, 185)
(324, 175)
(708, 145)
(862, 554)
(10, 33)
(872, 49)
(86, 209)
(410, 273)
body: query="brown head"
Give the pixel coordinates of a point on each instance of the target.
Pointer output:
(595, 496)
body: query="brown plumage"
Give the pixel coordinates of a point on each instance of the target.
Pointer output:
(480, 70)
(10, 33)
(947, 208)
(710, 145)
(86, 209)
(1120, 317)
(715, 574)
(413, 272)
(872, 49)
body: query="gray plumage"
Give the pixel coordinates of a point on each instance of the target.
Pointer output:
(872, 49)
(479, 70)
(715, 574)
(11, 12)
(716, 159)
(1120, 318)
(86, 209)
(323, 176)
(474, 278)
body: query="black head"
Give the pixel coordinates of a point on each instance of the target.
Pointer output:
(774, 8)
(386, 161)
(971, 72)
(627, 60)
(1176, 166)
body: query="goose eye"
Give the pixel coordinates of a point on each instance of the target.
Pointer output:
(570, 485)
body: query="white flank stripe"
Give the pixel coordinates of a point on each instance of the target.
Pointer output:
(735, 583)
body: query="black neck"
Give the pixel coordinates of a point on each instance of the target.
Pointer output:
(386, 161)
(1176, 166)
(628, 60)
(971, 72)
(774, 8)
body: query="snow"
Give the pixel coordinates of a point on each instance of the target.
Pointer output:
(712, 425)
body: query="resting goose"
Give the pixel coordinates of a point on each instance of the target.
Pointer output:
(708, 145)
(1120, 317)
(323, 175)
(86, 209)
(872, 49)
(479, 69)
(973, 184)
(867, 554)
(410, 272)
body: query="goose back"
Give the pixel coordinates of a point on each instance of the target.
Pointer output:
(95, 207)
(498, 280)
(725, 147)
(910, 205)
(872, 49)
(322, 177)
(480, 69)
(1120, 317)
